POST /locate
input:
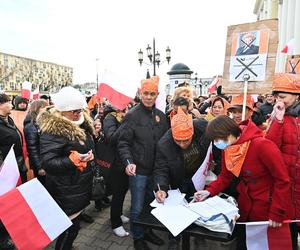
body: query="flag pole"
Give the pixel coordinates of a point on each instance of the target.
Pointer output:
(246, 78)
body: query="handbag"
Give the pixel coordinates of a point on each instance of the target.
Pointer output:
(99, 188)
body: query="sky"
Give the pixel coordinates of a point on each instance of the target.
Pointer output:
(76, 33)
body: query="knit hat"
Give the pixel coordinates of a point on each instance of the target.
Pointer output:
(287, 83)
(150, 85)
(182, 125)
(237, 102)
(68, 99)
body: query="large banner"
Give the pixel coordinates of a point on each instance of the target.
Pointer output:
(251, 49)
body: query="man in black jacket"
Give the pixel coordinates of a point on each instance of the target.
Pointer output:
(141, 129)
(267, 108)
(179, 154)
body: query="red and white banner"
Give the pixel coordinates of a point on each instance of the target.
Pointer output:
(26, 90)
(289, 48)
(119, 90)
(9, 173)
(31, 216)
(35, 95)
(213, 86)
(261, 236)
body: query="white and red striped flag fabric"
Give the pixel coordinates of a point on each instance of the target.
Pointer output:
(213, 86)
(31, 216)
(119, 90)
(35, 95)
(289, 48)
(9, 173)
(26, 90)
(259, 236)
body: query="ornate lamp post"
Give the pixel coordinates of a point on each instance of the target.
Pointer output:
(154, 57)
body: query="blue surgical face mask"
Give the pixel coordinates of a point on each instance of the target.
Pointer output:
(220, 144)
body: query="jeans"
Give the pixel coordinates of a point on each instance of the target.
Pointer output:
(141, 195)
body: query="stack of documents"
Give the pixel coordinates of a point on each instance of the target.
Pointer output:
(175, 197)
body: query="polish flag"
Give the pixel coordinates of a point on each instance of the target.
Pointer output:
(213, 86)
(9, 173)
(289, 48)
(119, 90)
(31, 216)
(26, 90)
(261, 236)
(35, 95)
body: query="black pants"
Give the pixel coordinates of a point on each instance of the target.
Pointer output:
(119, 186)
(294, 235)
(66, 239)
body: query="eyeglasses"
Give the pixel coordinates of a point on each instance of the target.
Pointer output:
(77, 111)
(146, 93)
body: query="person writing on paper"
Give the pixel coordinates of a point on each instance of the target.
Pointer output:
(179, 154)
(66, 144)
(264, 185)
(285, 132)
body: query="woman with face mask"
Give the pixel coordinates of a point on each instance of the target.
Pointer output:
(264, 186)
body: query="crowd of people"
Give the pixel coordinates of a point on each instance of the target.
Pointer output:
(64, 141)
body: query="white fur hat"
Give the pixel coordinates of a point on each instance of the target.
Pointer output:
(68, 99)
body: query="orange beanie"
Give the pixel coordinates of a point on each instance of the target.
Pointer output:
(150, 85)
(182, 125)
(287, 83)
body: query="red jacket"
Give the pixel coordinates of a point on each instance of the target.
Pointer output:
(264, 182)
(286, 136)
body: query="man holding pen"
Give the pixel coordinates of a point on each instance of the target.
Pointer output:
(140, 131)
(180, 153)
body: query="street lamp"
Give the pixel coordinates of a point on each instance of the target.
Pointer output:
(154, 57)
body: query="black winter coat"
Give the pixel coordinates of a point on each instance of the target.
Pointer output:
(169, 163)
(139, 133)
(32, 138)
(70, 187)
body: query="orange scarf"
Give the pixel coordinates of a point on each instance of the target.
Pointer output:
(235, 156)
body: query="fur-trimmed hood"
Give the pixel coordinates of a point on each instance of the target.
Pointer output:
(52, 122)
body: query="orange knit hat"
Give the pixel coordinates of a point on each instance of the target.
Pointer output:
(150, 85)
(237, 101)
(287, 83)
(182, 125)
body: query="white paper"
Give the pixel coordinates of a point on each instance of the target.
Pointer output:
(200, 176)
(213, 206)
(175, 197)
(175, 218)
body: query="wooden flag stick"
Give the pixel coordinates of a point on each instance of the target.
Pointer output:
(246, 78)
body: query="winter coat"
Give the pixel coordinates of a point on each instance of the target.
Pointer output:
(266, 109)
(70, 187)
(286, 136)
(140, 131)
(264, 183)
(32, 138)
(169, 162)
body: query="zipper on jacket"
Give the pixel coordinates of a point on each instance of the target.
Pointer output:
(295, 165)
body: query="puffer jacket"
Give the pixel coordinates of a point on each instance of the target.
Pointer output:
(286, 136)
(70, 187)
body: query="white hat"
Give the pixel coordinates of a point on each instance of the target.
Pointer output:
(68, 99)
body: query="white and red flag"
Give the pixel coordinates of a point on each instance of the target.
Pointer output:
(260, 236)
(289, 48)
(9, 173)
(213, 86)
(35, 95)
(119, 90)
(26, 90)
(31, 216)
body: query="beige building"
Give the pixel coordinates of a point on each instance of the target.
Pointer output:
(49, 77)
(288, 14)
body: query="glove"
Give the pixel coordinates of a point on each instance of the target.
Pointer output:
(75, 159)
(201, 195)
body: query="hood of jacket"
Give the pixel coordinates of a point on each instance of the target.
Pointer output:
(249, 131)
(294, 110)
(52, 122)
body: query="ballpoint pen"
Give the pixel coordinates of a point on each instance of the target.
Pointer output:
(160, 190)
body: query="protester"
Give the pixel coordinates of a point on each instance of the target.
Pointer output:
(284, 131)
(180, 152)
(178, 102)
(66, 144)
(32, 138)
(264, 186)
(119, 180)
(267, 108)
(140, 131)
(219, 106)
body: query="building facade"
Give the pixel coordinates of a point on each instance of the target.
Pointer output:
(49, 77)
(288, 14)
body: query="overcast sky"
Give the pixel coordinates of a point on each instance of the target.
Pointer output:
(76, 32)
